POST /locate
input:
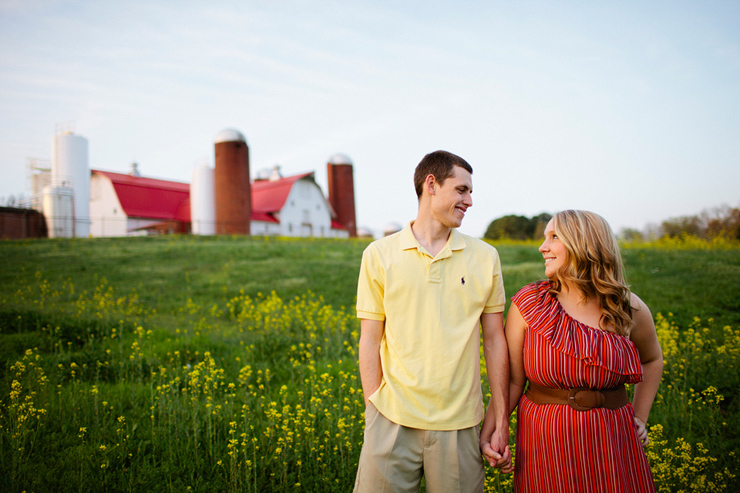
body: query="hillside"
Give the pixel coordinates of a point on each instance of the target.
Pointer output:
(168, 270)
(229, 363)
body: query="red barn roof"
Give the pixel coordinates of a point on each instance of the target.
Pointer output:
(264, 217)
(270, 196)
(149, 197)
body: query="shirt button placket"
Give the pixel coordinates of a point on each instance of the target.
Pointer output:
(434, 272)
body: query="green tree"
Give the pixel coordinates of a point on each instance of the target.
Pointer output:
(719, 221)
(685, 225)
(631, 234)
(539, 224)
(508, 227)
(515, 227)
(722, 221)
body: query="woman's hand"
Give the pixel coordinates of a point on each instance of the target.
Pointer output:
(500, 461)
(642, 432)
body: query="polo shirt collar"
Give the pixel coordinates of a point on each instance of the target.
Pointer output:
(408, 240)
(456, 242)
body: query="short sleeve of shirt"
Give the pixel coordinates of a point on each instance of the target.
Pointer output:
(371, 286)
(529, 298)
(497, 299)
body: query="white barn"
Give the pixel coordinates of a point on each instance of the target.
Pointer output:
(127, 204)
(292, 206)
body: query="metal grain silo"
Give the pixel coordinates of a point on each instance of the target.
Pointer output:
(342, 191)
(203, 201)
(70, 168)
(231, 181)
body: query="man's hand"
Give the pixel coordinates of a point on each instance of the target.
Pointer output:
(496, 451)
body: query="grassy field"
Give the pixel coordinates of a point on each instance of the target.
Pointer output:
(229, 363)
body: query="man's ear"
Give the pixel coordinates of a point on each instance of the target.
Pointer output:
(430, 183)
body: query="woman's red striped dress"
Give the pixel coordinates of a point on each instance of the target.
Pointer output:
(560, 449)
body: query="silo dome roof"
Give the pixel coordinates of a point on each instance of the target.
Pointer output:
(340, 159)
(229, 135)
(391, 228)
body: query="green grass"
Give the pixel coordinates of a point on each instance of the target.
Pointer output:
(687, 283)
(126, 328)
(166, 271)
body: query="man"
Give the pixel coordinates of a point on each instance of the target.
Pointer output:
(424, 296)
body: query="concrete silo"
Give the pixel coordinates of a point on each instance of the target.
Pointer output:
(203, 201)
(70, 169)
(342, 191)
(231, 181)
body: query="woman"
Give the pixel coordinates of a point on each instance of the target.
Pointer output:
(581, 329)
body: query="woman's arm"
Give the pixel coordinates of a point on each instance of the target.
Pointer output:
(645, 338)
(515, 330)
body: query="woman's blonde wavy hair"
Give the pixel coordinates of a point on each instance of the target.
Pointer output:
(594, 266)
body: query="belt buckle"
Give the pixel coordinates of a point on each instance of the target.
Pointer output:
(585, 399)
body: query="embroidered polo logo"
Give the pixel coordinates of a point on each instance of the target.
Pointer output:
(462, 280)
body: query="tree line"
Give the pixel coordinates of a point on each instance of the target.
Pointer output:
(513, 227)
(723, 221)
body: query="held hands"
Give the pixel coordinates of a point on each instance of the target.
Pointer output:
(496, 451)
(642, 432)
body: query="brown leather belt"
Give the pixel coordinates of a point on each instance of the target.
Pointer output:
(580, 399)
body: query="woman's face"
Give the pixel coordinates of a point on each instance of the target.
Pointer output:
(553, 251)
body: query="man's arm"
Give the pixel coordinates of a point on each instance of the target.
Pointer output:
(494, 439)
(371, 373)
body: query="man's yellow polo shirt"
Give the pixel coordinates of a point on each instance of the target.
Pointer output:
(430, 351)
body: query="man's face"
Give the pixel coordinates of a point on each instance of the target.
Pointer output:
(452, 198)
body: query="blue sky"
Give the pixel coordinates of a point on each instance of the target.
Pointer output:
(630, 109)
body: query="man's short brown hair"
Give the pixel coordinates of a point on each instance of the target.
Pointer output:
(440, 165)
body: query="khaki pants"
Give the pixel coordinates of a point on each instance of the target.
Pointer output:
(394, 458)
